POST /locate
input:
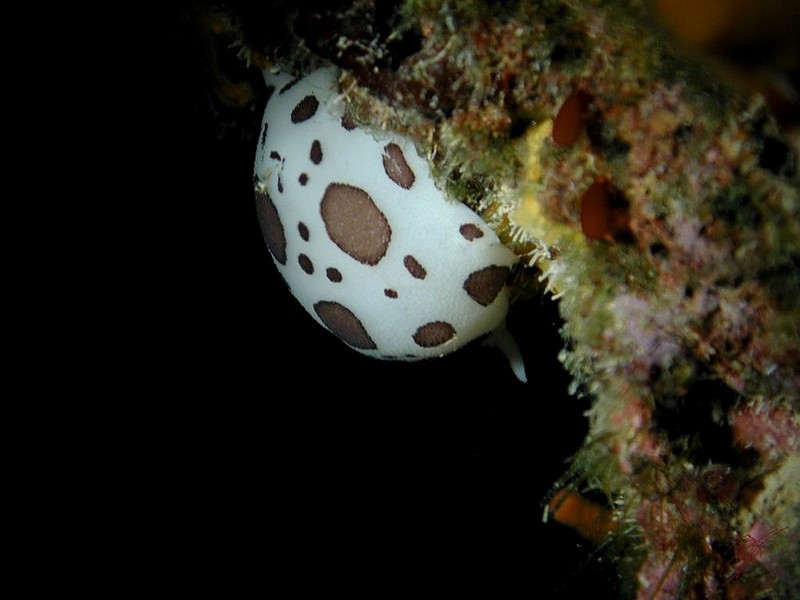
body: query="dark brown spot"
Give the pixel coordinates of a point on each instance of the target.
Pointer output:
(604, 213)
(596, 212)
(316, 152)
(306, 264)
(414, 267)
(303, 179)
(303, 231)
(271, 226)
(289, 85)
(569, 121)
(484, 285)
(396, 167)
(348, 122)
(280, 183)
(343, 323)
(264, 134)
(333, 274)
(355, 223)
(274, 155)
(434, 334)
(305, 109)
(390, 293)
(470, 231)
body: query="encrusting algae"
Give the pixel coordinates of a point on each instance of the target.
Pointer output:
(660, 207)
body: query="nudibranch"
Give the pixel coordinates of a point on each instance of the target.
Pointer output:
(365, 240)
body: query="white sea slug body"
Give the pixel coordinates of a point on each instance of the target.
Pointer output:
(364, 239)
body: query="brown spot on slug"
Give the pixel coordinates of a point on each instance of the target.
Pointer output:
(316, 152)
(271, 226)
(355, 223)
(434, 334)
(305, 109)
(289, 85)
(396, 167)
(303, 231)
(306, 264)
(344, 324)
(348, 122)
(470, 231)
(412, 265)
(483, 286)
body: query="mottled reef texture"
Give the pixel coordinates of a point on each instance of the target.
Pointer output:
(659, 207)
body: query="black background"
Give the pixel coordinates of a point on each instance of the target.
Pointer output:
(277, 456)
